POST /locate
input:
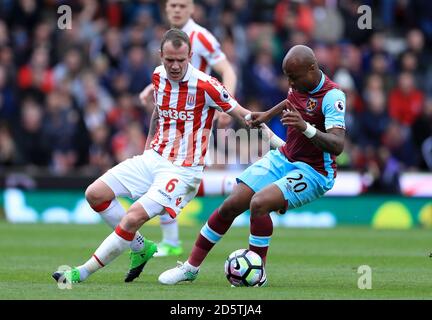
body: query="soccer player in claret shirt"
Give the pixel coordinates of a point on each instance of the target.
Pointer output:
(167, 175)
(206, 56)
(295, 174)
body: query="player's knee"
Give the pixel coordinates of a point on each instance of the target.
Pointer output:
(96, 198)
(91, 195)
(258, 206)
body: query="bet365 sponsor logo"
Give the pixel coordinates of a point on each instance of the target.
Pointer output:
(177, 115)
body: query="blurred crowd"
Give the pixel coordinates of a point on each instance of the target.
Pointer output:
(69, 97)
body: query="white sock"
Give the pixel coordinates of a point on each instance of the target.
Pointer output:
(112, 216)
(110, 248)
(170, 230)
(137, 243)
(191, 267)
(88, 268)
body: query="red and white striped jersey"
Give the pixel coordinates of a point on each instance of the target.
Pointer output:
(206, 50)
(186, 110)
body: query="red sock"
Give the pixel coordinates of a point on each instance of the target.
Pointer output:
(209, 235)
(101, 207)
(261, 227)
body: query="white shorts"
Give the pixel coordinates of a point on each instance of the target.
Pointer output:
(156, 182)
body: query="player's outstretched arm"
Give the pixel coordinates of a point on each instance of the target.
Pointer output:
(229, 80)
(331, 141)
(243, 116)
(262, 117)
(228, 75)
(240, 115)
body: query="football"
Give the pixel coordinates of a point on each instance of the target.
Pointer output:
(244, 268)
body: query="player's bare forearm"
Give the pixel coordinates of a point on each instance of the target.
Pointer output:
(276, 110)
(229, 80)
(153, 122)
(331, 141)
(239, 113)
(228, 75)
(262, 117)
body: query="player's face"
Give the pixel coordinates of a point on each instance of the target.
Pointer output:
(179, 12)
(300, 78)
(175, 60)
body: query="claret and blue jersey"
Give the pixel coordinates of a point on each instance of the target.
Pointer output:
(324, 108)
(300, 169)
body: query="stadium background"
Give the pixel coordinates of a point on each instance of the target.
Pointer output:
(69, 107)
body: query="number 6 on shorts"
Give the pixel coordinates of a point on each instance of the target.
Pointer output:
(170, 186)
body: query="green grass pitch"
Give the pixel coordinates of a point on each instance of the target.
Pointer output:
(302, 264)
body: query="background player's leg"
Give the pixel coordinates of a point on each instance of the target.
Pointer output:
(263, 202)
(102, 199)
(219, 222)
(170, 244)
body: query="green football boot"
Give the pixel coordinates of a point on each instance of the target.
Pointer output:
(167, 250)
(69, 276)
(139, 259)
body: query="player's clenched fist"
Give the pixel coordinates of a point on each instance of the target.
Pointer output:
(291, 117)
(256, 118)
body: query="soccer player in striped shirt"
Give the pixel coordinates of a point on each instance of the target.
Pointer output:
(167, 175)
(299, 172)
(206, 56)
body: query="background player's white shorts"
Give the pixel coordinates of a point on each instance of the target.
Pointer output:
(158, 184)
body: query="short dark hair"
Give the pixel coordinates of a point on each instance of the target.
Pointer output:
(177, 37)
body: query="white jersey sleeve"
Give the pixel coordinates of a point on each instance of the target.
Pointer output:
(205, 45)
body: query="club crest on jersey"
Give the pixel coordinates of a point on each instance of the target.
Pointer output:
(190, 100)
(311, 104)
